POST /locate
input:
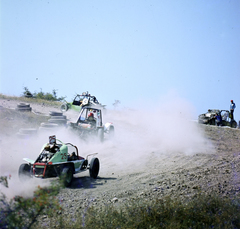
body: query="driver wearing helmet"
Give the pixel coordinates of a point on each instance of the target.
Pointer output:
(91, 119)
(51, 147)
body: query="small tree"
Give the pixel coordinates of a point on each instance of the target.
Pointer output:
(41, 95)
(49, 96)
(27, 93)
(22, 212)
(55, 94)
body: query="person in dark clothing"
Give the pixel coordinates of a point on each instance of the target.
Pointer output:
(91, 119)
(218, 119)
(232, 107)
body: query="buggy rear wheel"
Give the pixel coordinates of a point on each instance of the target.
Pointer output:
(67, 176)
(94, 167)
(24, 172)
(234, 124)
(111, 132)
(100, 134)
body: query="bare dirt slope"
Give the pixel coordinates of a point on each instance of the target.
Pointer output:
(146, 159)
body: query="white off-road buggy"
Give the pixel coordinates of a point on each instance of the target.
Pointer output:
(89, 123)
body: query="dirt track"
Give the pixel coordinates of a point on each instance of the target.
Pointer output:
(142, 162)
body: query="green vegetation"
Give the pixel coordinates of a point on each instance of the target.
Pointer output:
(31, 100)
(202, 211)
(41, 95)
(36, 97)
(22, 212)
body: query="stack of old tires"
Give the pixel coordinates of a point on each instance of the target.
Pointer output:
(57, 120)
(25, 132)
(23, 107)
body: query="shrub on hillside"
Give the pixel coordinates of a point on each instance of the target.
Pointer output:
(22, 212)
(41, 95)
(202, 211)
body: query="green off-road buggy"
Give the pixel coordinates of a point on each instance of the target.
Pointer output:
(58, 159)
(79, 101)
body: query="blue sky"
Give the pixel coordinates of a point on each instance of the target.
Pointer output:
(123, 50)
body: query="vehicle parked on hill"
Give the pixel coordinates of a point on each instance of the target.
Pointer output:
(209, 118)
(79, 101)
(58, 159)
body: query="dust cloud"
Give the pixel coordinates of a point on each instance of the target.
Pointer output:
(143, 132)
(166, 127)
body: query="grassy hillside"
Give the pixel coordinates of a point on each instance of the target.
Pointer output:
(204, 209)
(30, 100)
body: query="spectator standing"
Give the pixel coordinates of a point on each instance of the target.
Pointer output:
(232, 107)
(218, 119)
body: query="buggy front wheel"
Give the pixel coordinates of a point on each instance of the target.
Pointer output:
(67, 176)
(24, 172)
(234, 124)
(94, 167)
